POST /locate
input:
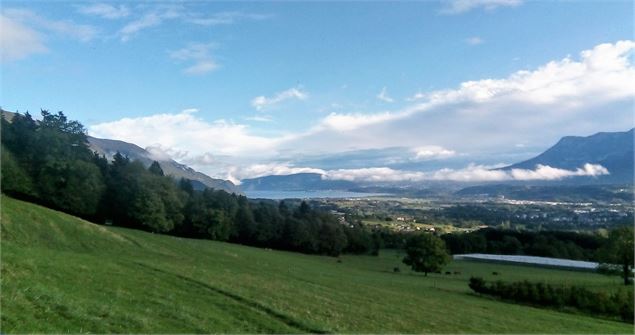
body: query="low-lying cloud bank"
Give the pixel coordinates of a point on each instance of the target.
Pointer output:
(473, 173)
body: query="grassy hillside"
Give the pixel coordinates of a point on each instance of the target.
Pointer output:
(62, 274)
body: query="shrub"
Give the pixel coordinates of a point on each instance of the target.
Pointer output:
(478, 285)
(616, 304)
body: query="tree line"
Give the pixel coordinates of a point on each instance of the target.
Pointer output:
(557, 244)
(49, 162)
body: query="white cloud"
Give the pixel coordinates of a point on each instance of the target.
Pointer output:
(545, 172)
(106, 11)
(432, 152)
(474, 40)
(417, 96)
(224, 18)
(132, 28)
(159, 14)
(603, 73)
(200, 55)
(563, 97)
(346, 122)
(184, 132)
(262, 102)
(259, 118)
(463, 6)
(157, 153)
(204, 159)
(375, 174)
(18, 41)
(150, 19)
(472, 173)
(65, 28)
(383, 96)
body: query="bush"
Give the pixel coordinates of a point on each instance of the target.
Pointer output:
(616, 304)
(478, 285)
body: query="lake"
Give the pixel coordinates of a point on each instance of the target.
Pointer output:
(322, 194)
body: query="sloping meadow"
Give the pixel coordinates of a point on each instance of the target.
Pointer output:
(63, 274)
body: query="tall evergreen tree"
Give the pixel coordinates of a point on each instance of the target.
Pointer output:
(155, 168)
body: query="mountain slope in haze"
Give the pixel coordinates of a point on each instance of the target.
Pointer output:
(295, 182)
(170, 167)
(613, 150)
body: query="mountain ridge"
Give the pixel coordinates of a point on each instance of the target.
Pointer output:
(109, 148)
(612, 150)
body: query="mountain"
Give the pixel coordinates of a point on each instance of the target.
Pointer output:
(295, 182)
(7, 115)
(613, 150)
(199, 180)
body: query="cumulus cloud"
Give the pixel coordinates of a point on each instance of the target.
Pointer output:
(463, 6)
(563, 97)
(159, 152)
(18, 41)
(603, 72)
(472, 173)
(383, 96)
(262, 102)
(545, 172)
(184, 132)
(346, 122)
(432, 152)
(104, 10)
(200, 57)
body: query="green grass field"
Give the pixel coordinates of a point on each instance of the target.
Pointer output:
(64, 275)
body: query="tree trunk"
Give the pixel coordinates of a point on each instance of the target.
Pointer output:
(625, 273)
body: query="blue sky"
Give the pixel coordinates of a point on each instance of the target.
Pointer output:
(282, 87)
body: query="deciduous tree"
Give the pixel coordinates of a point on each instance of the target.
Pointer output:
(426, 253)
(619, 250)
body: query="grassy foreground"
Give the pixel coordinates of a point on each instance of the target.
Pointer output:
(65, 275)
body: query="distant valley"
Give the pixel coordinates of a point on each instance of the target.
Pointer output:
(612, 150)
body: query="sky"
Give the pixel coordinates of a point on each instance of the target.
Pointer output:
(377, 91)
